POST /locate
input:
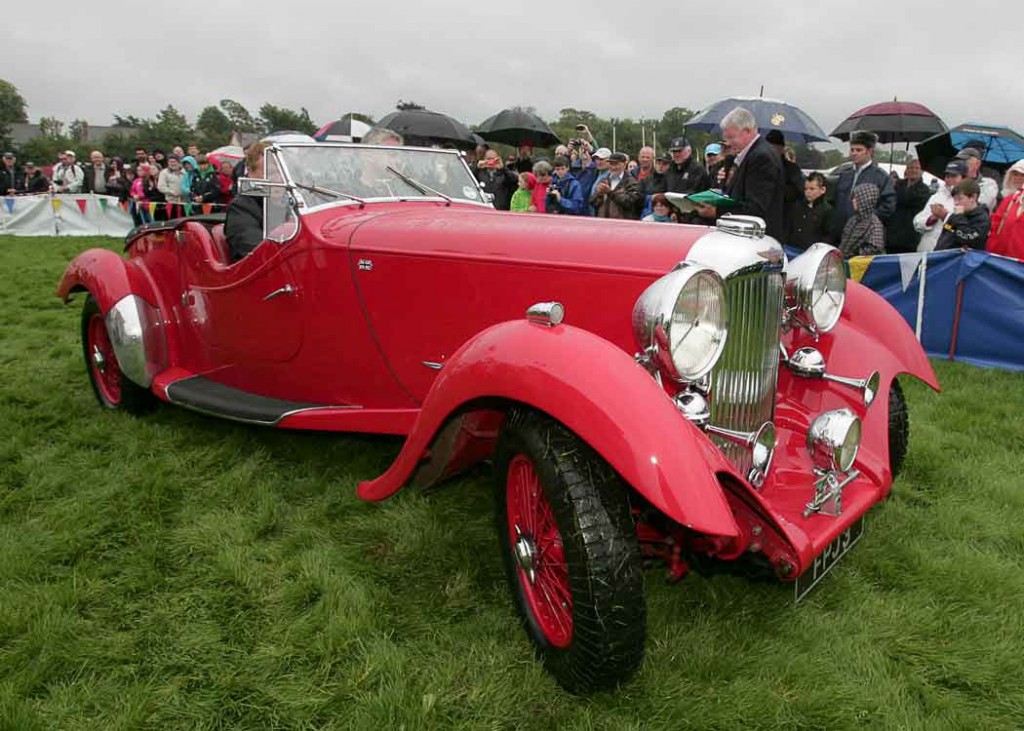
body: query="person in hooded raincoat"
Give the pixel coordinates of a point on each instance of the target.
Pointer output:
(863, 234)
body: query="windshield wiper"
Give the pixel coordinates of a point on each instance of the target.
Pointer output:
(328, 191)
(421, 187)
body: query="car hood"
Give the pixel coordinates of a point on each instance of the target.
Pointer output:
(537, 239)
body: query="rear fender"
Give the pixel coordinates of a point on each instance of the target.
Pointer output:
(597, 391)
(126, 298)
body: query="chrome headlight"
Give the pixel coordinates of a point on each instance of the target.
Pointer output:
(816, 288)
(681, 321)
(834, 440)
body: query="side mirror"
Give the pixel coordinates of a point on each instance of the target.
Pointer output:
(254, 187)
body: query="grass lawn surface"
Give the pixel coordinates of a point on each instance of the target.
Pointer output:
(180, 572)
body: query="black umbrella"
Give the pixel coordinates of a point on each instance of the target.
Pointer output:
(518, 126)
(794, 123)
(893, 122)
(1000, 147)
(423, 127)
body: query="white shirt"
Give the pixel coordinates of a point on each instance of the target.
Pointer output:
(613, 182)
(930, 232)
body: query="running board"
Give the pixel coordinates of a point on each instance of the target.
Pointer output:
(209, 397)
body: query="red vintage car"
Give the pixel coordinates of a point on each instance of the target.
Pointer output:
(644, 391)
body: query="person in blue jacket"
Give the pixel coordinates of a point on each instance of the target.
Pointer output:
(565, 195)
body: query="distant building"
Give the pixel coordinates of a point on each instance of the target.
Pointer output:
(22, 132)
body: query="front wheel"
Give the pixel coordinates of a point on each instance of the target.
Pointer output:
(113, 389)
(899, 428)
(570, 550)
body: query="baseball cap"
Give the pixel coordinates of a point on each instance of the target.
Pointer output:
(602, 152)
(30, 164)
(956, 167)
(617, 157)
(968, 152)
(713, 149)
(8, 154)
(678, 143)
(663, 157)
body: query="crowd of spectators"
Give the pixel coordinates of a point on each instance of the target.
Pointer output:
(860, 208)
(170, 181)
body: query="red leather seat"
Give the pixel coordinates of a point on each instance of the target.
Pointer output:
(220, 245)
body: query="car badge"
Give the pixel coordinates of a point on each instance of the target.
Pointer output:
(365, 265)
(778, 119)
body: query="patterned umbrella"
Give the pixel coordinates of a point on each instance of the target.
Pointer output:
(794, 123)
(893, 121)
(1000, 147)
(345, 129)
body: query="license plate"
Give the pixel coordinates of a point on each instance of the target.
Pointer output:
(828, 558)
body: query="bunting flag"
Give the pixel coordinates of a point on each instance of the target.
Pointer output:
(81, 204)
(188, 209)
(152, 209)
(859, 265)
(207, 208)
(10, 204)
(103, 204)
(56, 205)
(909, 264)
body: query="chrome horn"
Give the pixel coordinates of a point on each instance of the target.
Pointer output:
(761, 444)
(810, 363)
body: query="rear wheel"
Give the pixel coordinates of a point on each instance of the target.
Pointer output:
(113, 389)
(571, 553)
(899, 428)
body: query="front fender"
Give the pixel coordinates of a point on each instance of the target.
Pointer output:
(596, 390)
(867, 311)
(107, 276)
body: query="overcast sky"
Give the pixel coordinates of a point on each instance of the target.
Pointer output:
(71, 59)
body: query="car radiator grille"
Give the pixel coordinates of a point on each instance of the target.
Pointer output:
(743, 383)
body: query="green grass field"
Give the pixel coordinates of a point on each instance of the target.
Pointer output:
(178, 572)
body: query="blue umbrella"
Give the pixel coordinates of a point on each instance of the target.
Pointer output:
(999, 146)
(794, 123)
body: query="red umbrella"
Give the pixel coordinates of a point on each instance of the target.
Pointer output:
(893, 121)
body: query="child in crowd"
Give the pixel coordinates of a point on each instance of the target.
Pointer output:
(968, 226)
(661, 210)
(863, 234)
(521, 201)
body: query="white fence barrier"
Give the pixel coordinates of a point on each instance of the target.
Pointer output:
(63, 214)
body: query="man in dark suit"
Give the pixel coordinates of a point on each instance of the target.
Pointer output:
(756, 185)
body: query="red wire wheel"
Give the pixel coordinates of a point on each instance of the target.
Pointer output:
(538, 547)
(104, 369)
(571, 553)
(113, 389)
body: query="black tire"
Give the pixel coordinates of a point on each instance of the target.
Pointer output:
(597, 536)
(899, 428)
(114, 390)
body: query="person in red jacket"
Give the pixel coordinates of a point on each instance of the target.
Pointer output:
(1007, 233)
(225, 180)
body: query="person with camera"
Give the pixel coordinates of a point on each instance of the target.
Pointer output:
(618, 194)
(67, 175)
(496, 179)
(565, 195)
